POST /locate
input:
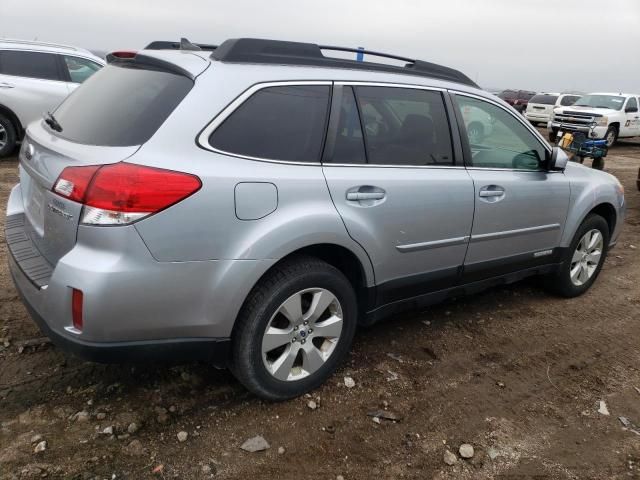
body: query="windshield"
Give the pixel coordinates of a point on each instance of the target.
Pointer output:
(544, 99)
(613, 102)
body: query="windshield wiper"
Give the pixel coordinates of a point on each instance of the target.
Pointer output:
(580, 105)
(52, 122)
(600, 106)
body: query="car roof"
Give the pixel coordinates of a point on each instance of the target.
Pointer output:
(33, 45)
(617, 94)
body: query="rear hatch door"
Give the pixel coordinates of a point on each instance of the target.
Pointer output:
(104, 121)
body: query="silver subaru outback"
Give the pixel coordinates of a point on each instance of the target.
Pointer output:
(250, 205)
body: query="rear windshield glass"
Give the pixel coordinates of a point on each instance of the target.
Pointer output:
(544, 99)
(120, 106)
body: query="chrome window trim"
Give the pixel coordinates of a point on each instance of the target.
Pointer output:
(203, 137)
(526, 124)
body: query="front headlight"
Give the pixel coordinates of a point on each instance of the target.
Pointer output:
(602, 121)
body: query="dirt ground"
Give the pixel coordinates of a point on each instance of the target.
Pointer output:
(513, 371)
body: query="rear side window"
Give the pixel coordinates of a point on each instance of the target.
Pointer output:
(544, 99)
(569, 100)
(43, 66)
(121, 106)
(404, 126)
(278, 123)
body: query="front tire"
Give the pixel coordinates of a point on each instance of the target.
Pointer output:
(611, 136)
(8, 137)
(583, 260)
(294, 330)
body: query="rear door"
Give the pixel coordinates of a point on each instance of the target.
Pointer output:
(520, 208)
(393, 176)
(31, 83)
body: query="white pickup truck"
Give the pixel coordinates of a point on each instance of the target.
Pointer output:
(599, 115)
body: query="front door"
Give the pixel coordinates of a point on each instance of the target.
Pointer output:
(397, 187)
(520, 208)
(631, 127)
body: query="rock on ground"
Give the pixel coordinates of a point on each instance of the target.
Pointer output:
(450, 458)
(466, 450)
(255, 444)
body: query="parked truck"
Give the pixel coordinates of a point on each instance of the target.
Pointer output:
(599, 116)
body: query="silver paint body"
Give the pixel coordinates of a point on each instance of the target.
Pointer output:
(186, 271)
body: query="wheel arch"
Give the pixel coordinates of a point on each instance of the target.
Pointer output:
(342, 258)
(606, 211)
(6, 111)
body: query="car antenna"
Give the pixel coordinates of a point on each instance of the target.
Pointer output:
(187, 45)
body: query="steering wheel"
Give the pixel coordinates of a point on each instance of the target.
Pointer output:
(528, 160)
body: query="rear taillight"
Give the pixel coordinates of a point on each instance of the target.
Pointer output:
(76, 308)
(121, 193)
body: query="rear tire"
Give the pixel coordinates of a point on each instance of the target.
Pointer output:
(552, 136)
(275, 312)
(8, 137)
(583, 259)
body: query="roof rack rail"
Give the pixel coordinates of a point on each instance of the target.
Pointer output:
(168, 45)
(254, 50)
(39, 43)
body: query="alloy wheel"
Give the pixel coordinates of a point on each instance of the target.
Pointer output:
(587, 257)
(302, 334)
(3, 136)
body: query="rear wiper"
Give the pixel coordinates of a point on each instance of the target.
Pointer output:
(52, 122)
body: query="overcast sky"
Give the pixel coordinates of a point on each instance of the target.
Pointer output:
(549, 45)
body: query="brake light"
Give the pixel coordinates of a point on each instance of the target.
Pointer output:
(76, 308)
(124, 54)
(122, 193)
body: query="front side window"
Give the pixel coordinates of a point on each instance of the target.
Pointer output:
(404, 126)
(278, 123)
(80, 68)
(497, 139)
(631, 104)
(568, 100)
(43, 66)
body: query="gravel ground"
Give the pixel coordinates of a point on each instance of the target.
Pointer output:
(516, 373)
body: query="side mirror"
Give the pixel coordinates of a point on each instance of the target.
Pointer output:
(631, 109)
(558, 160)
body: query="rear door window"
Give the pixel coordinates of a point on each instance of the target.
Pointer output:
(121, 106)
(349, 144)
(43, 66)
(278, 123)
(404, 126)
(80, 69)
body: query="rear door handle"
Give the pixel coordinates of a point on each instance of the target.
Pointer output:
(6, 85)
(491, 193)
(357, 196)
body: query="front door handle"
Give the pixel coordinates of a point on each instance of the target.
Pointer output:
(357, 196)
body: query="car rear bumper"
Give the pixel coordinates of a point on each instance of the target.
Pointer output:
(135, 308)
(213, 350)
(537, 117)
